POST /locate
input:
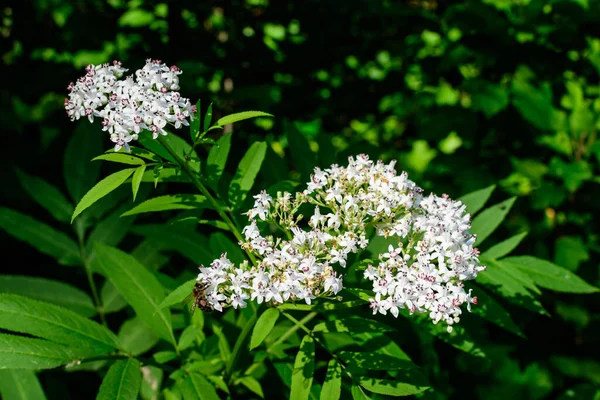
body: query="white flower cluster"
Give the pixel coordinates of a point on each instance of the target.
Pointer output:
(423, 273)
(148, 101)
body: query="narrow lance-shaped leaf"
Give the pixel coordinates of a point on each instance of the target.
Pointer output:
(178, 295)
(179, 145)
(24, 315)
(138, 286)
(196, 386)
(390, 387)
(477, 199)
(18, 352)
(195, 124)
(253, 385)
(217, 158)
(489, 219)
(50, 291)
(40, 236)
(121, 158)
(137, 179)
(20, 384)
(304, 369)
(122, 381)
(263, 327)
(208, 118)
(230, 119)
(170, 202)
(491, 310)
(246, 174)
(332, 386)
(503, 248)
(101, 189)
(47, 196)
(80, 173)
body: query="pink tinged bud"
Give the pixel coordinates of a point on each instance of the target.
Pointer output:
(71, 86)
(474, 300)
(105, 122)
(88, 111)
(154, 128)
(194, 109)
(89, 67)
(137, 119)
(67, 102)
(174, 68)
(164, 89)
(113, 97)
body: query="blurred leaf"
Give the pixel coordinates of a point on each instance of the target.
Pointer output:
(120, 158)
(137, 180)
(550, 276)
(302, 156)
(24, 315)
(152, 378)
(47, 196)
(573, 174)
(358, 393)
(569, 252)
(80, 173)
(217, 158)
(559, 142)
(190, 244)
(135, 336)
(578, 368)
(304, 368)
(138, 286)
(16, 384)
(503, 248)
(50, 291)
(230, 119)
(122, 381)
(351, 324)
(178, 295)
(476, 200)
(136, 18)
(253, 385)
(246, 173)
(170, 202)
(535, 105)
(332, 386)
(18, 352)
(208, 117)
(163, 357)
(101, 189)
(486, 96)
(41, 236)
(489, 219)
(263, 327)
(112, 301)
(374, 361)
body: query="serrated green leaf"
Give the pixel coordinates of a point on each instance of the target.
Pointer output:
(50, 291)
(138, 152)
(488, 220)
(178, 295)
(304, 369)
(550, 276)
(80, 173)
(230, 119)
(47, 195)
(208, 117)
(44, 238)
(390, 387)
(263, 327)
(120, 158)
(138, 286)
(137, 179)
(135, 336)
(18, 352)
(477, 199)
(48, 321)
(217, 158)
(246, 174)
(18, 384)
(196, 387)
(101, 189)
(503, 248)
(122, 381)
(170, 202)
(332, 386)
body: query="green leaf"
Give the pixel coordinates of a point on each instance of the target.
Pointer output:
(550, 276)
(486, 96)
(351, 324)
(50, 291)
(136, 18)
(374, 361)
(477, 199)
(190, 244)
(220, 243)
(80, 173)
(138, 286)
(332, 386)
(135, 336)
(120, 158)
(40, 236)
(111, 231)
(503, 248)
(304, 369)
(178, 295)
(195, 124)
(18, 352)
(180, 146)
(137, 179)
(24, 315)
(122, 381)
(230, 119)
(196, 387)
(358, 393)
(207, 117)
(101, 189)
(163, 357)
(389, 387)
(535, 105)
(112, 301)
(302, 156)
(488, 308)
(188, 336)
(252, 384)
(488, 220)
(47, 196)
(263, 327)
(246, 174)
(217, 158)
(170, 202)
(18, 384)
(570, 251)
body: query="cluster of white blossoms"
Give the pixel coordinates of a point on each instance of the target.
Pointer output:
(424, 272)
(149, 100)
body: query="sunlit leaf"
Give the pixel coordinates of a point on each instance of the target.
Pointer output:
(170, 202)
(304, 369)
(477, 199)
(121, 158)
(246, 173)
(230, 119)
(332, 386)
(488, 220)
(503, 248)
(137, 180)
(178, 295)
(263, 327)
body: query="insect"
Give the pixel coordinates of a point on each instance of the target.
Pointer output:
(198, 297)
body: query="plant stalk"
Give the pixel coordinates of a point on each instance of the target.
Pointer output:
(239, 343)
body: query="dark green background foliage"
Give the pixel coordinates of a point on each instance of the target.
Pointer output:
(464, 94)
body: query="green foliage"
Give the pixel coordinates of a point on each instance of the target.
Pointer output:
(122, 381)
(263, 327)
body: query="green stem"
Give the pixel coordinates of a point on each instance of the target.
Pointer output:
(200, 186)
(237, 348)
(291, 331)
